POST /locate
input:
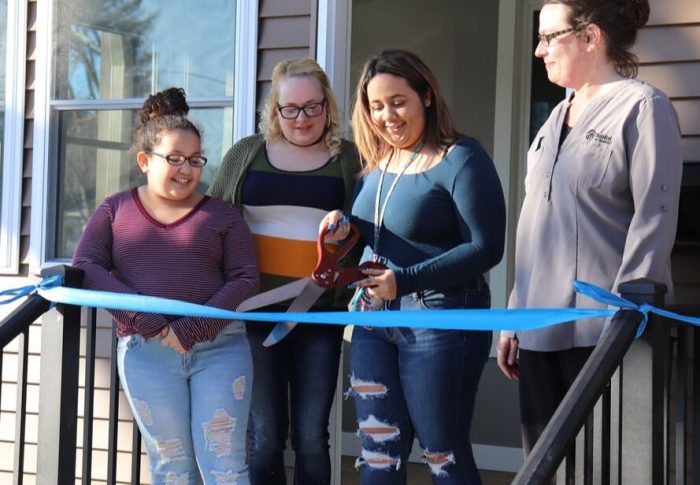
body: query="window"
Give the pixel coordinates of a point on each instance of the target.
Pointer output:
(12, 58)
(107, 57)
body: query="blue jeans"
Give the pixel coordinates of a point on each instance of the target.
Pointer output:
(298, 374)
(191, 409)
(422, 383)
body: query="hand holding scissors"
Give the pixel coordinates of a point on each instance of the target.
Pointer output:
(336, 225)
(306, 291)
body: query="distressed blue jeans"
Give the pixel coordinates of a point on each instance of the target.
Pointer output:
(419, 383)
(191, 409)
(295, 382)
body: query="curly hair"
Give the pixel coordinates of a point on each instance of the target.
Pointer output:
(163, 111)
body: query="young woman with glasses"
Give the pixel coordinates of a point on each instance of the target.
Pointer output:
(601, 193)
(187, 379)
(431, 209)
(285, 180)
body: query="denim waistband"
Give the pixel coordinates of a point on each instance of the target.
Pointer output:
(475, 285)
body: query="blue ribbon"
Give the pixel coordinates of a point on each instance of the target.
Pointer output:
(457, 319)
(17, 293)
(603, 296)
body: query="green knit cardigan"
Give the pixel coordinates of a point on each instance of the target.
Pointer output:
(228, 180)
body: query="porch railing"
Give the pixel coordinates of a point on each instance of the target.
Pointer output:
(629, 406)
(632, 401)
(57, 448)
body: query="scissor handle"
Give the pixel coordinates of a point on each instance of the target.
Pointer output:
(327, 271)
(351, 275)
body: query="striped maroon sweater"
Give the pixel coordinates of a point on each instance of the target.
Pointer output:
(206, 257)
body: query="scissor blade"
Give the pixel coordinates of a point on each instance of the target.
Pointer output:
(302, 303)
(276, 295)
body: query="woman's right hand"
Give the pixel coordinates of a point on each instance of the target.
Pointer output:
(338, 225)
(506, 352)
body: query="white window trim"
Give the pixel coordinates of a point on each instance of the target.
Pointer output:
(13, 145)
(245, 78)
(42, 218)
(333, 55)
(333, 48)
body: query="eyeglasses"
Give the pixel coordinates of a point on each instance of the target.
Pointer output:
(195, 161)
(546, 39)
(310, 110)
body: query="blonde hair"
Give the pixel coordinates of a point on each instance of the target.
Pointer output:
(269, 116)
(440, 130)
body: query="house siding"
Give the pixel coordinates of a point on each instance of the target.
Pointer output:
(28, 138)
(287, 31)
(669, 56)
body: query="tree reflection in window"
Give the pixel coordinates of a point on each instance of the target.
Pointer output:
(117, 52)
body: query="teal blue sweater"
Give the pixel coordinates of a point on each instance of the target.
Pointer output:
(443, 227)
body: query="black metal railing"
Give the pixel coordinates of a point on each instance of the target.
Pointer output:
(649, 434)
(58, 412)
(632, 440)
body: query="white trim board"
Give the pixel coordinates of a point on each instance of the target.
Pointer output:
(333, 48)
(488, 457)
(13, 140)
(245, 58)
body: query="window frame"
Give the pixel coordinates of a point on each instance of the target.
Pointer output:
(13, 144)
(47, 111)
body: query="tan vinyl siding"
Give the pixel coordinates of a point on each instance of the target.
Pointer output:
(25, 219)
(669, 43)
(287, 30)
(669, 55)
(666, 12)
(8, 380)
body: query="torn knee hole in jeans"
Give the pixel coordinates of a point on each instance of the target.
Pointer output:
(366, 389)
(437, 461)
(170, 450)
(143, 411)
(377, 460)
(239, 386)
(218, 431)
(172, 478)
(225, 478)
(379, 431)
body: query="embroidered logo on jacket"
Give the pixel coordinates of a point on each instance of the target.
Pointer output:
(599, 137)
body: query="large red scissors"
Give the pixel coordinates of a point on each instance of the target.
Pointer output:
(306, 291)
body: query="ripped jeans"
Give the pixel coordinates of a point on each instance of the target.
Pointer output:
(191, 409)
(422, 383)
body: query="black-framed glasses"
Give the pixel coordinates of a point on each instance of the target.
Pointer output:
(311, 110)
(195, 161)
(546, 39)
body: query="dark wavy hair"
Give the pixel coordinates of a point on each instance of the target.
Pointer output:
(619, 20)
(440, 129)
(163, 111)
